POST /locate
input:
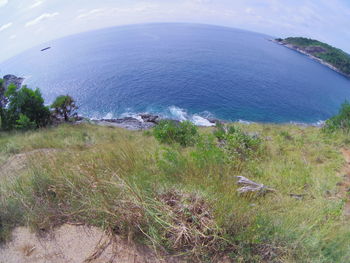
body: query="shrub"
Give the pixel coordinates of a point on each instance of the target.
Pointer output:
(207, 153)
(24, 123)
(185, 133)
(237, 143)
(220, 131)
(341, 121)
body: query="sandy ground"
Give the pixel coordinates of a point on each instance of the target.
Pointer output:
(74, 244)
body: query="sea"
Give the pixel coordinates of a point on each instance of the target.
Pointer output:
(184, 72)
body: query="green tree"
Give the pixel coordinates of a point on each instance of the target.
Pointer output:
(26, 102)
(64, 107)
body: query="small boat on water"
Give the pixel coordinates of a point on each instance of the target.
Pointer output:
(45, 48)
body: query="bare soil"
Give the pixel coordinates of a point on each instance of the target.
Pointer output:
(75, 244)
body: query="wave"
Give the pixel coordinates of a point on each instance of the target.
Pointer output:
(182, 115)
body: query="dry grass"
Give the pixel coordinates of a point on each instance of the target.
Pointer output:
(184, 200)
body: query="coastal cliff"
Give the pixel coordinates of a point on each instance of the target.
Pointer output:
(332, 57)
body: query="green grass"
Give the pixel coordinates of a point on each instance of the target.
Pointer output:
(184, 199)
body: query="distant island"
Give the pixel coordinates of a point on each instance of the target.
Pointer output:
(332, 57)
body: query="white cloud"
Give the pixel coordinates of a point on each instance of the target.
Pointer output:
(92, 12)
(13, 36)
(36, 3)
(6, 26)
(111, 12)
(3, 2)
(41, 18)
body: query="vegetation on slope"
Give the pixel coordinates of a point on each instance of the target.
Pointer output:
(184, 199)
(341, 121)
(22, 108)
(334, 56)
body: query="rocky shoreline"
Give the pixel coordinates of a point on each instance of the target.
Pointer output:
(295, 48)
(148, 121)
(143, 121)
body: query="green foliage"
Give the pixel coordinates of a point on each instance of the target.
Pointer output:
(207, 153)
(341, 121)
(237, 143)
(220, 131)
(334, 56)
(26, 102)
(185, 133)
(24, 109)
(24, 123)
(64, 107)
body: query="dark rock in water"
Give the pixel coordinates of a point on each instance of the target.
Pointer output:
(150, 118)
(12, 79)
(126, 119)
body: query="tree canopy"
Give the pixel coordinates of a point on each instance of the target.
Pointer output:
(64, 107)
(26, 102)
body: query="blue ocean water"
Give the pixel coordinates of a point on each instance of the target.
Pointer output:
(183, 71)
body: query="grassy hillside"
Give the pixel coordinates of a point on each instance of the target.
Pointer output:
(334, 56)
(183, 199)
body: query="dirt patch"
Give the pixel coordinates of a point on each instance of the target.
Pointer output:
(344, 186)
(75, 244)
(16, 164)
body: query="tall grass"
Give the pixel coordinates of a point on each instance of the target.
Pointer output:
(182, 199)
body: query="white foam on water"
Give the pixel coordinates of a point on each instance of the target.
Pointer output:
(109, 115)
(178, 113)
(200, 121)
(182, 115)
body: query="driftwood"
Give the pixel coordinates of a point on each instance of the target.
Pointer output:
(250, 187)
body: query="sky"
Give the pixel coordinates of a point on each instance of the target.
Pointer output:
(28, 23)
